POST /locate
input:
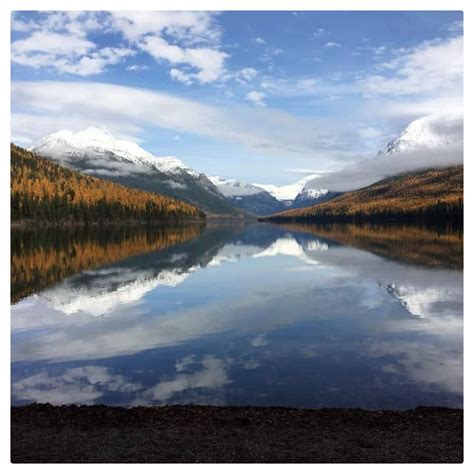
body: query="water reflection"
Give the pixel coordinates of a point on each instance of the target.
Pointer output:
(259, 314)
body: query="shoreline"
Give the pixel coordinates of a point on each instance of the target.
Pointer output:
(42, 433)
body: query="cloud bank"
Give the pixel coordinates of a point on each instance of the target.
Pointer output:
(434, 141)
(43, 107)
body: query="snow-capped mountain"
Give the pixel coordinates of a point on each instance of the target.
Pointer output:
(248, 197)
(290, 193)
(433, 131)
(299, 194)
(233, 187)
(266, 199)
(97, 152)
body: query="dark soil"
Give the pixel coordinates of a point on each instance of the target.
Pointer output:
(71, 434)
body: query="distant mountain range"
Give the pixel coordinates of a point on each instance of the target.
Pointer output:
(97, 152)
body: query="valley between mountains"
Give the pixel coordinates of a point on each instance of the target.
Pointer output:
(91, 176)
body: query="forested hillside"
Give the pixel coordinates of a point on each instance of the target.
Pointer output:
(45, 191)
(431, 196)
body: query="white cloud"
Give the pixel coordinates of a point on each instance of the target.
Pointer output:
(58, 41)
(455, 27)
(260, 41)
(444, 148)
(208, 62)
(137, 67)
(52, 43)
(370, 132)
(58, 105)
(189, 27)
(332, 44)
(146, 30)
(181, 76)
(256, 98)
(431, 67)
(247, 73)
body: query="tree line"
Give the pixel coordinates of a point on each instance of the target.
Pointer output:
(446, 213)
(45, 191)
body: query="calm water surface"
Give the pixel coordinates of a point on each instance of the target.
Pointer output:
(238, 315)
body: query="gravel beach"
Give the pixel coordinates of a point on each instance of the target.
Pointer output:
(206, 434)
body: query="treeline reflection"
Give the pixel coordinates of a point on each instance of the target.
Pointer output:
(42, 257)
(427, 246)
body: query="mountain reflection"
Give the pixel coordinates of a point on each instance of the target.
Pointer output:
(43, 257)
(256, 314)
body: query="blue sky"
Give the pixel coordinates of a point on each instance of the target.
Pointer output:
(260, 96)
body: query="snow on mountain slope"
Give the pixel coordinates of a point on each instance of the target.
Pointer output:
(287, 192)
(311, 193)
(233, 187)
(248, 197)
(100, 144)
(97, 152)
(433, 131)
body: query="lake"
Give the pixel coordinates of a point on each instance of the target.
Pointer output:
(236, 314)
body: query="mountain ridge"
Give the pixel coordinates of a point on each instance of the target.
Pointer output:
(97, 152)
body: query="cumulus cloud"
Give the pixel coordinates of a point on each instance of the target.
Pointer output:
(208, 62)
(61, 41)
(189, 27)
(246, 74)
(256, 98)
(332, 44)
(58, 41)
(432, 66)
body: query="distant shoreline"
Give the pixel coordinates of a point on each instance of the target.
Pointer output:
(32, 223)
(176, 434)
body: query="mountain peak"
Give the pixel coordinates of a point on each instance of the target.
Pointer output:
(432, 131)
(94, 141)
(233, 187)
(288, 192)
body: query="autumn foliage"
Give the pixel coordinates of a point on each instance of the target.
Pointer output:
(434, 195)
(45, 191)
